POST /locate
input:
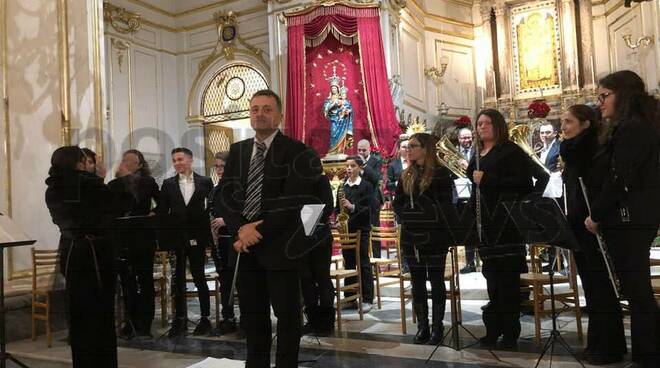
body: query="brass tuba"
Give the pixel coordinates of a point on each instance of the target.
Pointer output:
(449, 157)
(518, 135)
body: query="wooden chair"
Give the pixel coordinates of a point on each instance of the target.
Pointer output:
(655, 278)
(160, 280)
(385, 267)
(348, 242)
(537, 280)
(387, 217)
(214, 292)
(453, 291)
(44, 263)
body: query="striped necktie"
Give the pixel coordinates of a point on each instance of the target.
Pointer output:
(252, 207)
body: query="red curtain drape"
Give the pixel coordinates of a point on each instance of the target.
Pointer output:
(379, 125)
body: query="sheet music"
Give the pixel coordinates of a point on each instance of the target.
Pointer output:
(310, 215)
(463, 187)
(218, 363)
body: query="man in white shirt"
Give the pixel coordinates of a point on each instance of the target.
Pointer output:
(465, 146)
(550, 153)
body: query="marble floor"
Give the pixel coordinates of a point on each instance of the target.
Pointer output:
(376, 341)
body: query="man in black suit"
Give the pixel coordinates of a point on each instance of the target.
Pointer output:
(549, 154)
(372, 173)
(266, 182)
(466, 149)
(396, 167)
(183, 199)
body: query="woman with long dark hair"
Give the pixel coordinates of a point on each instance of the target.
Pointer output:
(627, 208)
(504, 176)
(584, 158)
(83, 207)
(425, 188)
(137, 248)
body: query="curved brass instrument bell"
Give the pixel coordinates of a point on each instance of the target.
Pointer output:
(518, 135)
(449, 157)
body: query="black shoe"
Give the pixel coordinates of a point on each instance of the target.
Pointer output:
(423, 333)
(203, 327)
(437, 333)
(509, 344)
(178, 328)
(468, 269)
(325, 323)
(227, 326)
(488, 342)
(603, 359)
(126, 332)
(307, 329)
(486, 306)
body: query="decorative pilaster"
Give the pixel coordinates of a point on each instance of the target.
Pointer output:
(503, 49)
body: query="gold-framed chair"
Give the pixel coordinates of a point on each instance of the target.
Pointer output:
(348, 242)
(389, 267)
(536, 280)
(44, 265)
(453, 291)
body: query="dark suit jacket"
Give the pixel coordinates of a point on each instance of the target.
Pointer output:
(191, 221)
(472, 152)
(373, 174)
(290, 171)
(375, 163)
(393, 175)
(553, 156)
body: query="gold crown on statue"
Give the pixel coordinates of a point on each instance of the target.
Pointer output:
(334, 80)
(416, 127)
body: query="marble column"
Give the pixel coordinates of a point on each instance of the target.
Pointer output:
(487, 50)
(503, 49)
(569, 53)
(586, 46)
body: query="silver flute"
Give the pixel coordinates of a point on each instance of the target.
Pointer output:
(614, 279)
(477, 190)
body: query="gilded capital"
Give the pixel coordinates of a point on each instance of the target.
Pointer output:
(121, 19)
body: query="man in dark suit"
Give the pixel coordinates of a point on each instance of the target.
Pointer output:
(266, 182)
(466, 149)
(397, 166)
(183, 199)
(372, 173)
(549, 155)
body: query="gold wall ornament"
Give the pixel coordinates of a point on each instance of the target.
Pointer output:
(435, 74)
(644, 41)
(120, 46)
(122, 20)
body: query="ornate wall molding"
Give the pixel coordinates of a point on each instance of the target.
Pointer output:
(120, 46)
(122, 20)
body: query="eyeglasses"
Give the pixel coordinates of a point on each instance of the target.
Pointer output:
(413, 145)
(603, 96)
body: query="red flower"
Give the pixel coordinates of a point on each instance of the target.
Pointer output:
(538, 109)
(463, 121)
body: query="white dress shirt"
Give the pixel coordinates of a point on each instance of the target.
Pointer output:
(187, 186)
(268, 141)
(546, 150)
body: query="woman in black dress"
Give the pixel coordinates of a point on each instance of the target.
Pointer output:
(627, 209)
(505, 176)
(83, 207)
(425, 189)
(584, 158)
(134, 179)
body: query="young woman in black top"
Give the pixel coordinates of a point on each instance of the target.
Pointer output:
(583, 157)
(505, 175)
(627, 208)
(134, 178)
(83, 207)
(358, 194)
(425, 188)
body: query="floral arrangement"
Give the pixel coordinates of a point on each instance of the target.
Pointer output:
(463, 121)
(538, 109)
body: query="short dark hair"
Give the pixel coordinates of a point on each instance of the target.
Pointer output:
(182, 149)
(65, 159)
(89, 153)
(499, 124)
(358, 160)
(223, 155)
(269, 93)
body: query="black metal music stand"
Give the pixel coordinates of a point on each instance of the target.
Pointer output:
(10, 236)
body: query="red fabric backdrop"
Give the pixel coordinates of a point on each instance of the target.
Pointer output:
(306, 88)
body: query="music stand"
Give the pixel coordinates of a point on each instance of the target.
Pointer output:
(10, 236)
(549, 226)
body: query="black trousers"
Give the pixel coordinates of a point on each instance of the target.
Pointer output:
(365, 268)
(137, 280)
(89, 270)
(224, 266)
(630, 251)
(502, 316)
(317, 288)
(429, 268)
(196, 256)
(258, 289)
(605, 334)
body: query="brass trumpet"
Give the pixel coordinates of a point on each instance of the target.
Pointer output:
(449, 157)
(518, 135)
